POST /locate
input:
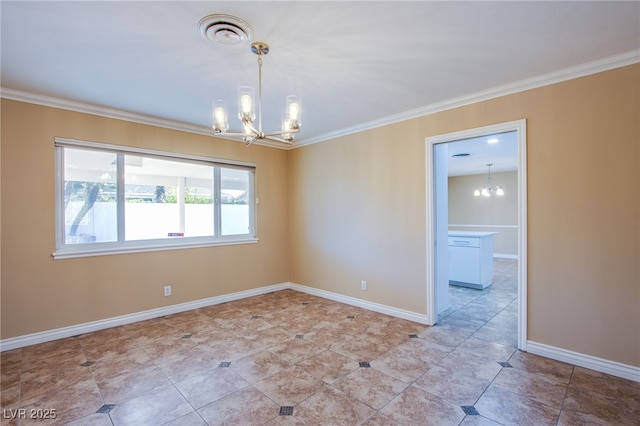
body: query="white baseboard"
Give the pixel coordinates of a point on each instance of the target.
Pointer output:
(505, 256)
(376, 307)
(587, 361)
(74, 330)
(598, 364)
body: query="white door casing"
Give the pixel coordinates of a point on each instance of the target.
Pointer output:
(520, 127)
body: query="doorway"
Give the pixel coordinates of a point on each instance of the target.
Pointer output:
(437, 153)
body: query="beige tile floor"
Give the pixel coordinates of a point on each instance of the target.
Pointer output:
(291, 358)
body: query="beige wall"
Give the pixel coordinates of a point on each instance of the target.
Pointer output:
(495, 214)
(359, 210)
(354, 209)
(39, 293)
(354, 217)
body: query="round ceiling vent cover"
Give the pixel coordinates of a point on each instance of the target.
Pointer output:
(225, 29)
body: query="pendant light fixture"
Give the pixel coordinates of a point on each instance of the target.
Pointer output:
(230, 30)
(291, 120)
(488, 190)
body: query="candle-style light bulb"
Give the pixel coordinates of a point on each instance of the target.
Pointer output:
(246, 102)
(286, 128)
(293, 111)
(246, 107)
(220, 116)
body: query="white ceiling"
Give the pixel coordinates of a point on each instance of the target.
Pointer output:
(499, 150)
(354, 64)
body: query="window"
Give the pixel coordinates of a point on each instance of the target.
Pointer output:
(113, 199)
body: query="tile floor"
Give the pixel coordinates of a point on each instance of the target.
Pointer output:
(290, 358)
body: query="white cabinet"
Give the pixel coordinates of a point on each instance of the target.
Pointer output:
(471, 259)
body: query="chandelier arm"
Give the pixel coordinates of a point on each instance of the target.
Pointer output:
(254, 131)
(232, 134)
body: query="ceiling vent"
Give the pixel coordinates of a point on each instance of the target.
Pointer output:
(226, 30)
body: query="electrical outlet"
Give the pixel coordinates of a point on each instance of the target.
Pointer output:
(167, 290)
(363, 285)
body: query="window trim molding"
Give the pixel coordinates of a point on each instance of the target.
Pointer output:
(149, 246)
(63, 251)
(75, 143)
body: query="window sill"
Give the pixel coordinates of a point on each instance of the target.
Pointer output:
(70, 253)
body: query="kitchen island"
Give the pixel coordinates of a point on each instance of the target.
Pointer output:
(471, 259)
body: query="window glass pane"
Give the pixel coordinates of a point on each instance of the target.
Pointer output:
(167, 199)
(235, 198)
(111, 198)
(198, 204)
(90, 214)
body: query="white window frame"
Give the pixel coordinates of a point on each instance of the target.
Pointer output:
(65, 251)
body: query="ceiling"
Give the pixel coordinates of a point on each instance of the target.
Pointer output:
(355, 64)
(473, 155)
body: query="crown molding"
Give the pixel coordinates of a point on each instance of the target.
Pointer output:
(605, 64)
(85, 108)
(49, 101)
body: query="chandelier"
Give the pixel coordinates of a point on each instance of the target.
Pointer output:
(488, 191)
(291, 119)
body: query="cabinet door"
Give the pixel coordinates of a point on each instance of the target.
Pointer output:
(464, 264)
